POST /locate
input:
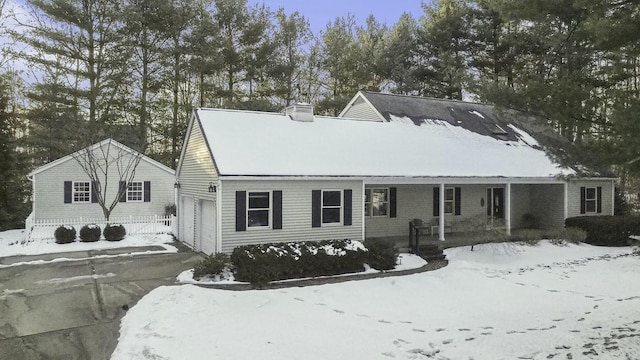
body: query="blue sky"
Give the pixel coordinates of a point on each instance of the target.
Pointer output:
(321, 12)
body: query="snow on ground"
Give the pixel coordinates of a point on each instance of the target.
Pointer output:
(12, 243)
(501, 301)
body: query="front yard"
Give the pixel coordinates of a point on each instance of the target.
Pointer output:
(501, 301)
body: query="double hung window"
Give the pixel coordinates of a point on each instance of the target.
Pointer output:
(376, 203)
(331, 206)
(81, 191)
(258, 209)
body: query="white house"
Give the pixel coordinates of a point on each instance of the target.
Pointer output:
(63, 190)
(250, 177)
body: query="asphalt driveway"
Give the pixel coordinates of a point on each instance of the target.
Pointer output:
(72, 309)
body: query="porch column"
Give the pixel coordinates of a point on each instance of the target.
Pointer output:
(507, 209)
(441, 217)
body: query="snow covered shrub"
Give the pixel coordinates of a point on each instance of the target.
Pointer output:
(65, 234)
(211, 265)
(114, 232)
(90, 233)
(606, 230)
(381, 255)
(262, 263)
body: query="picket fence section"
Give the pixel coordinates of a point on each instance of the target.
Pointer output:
(135, 225)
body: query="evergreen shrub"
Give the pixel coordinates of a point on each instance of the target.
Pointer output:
(90, 233)
(114, 232)
(381, 254)
(211, 265)
(606, 230)
(262, 263)
(65, 234)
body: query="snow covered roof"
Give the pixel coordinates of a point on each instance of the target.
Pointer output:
(96, 146)
(272, 144)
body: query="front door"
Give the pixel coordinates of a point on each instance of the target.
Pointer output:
(495, 203)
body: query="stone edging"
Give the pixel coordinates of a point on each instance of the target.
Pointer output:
(431, 266)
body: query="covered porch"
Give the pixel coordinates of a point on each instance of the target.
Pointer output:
(394, 210)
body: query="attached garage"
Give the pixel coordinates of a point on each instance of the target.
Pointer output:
(207, 227)
(186, 216)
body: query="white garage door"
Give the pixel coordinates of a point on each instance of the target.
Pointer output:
(187, 220)
(207, 241)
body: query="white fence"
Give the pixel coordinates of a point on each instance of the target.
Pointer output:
(135, 225)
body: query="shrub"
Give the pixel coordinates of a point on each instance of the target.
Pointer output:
(381, 255)
(90, 233)
(114, 232)
(571, 234)
(211, 265)
(262, 263)
(606, 230)
(65, 234)
(527, 236)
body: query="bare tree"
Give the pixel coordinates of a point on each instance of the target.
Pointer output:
(105, 163)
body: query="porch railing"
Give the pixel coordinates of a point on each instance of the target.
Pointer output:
(135, 225)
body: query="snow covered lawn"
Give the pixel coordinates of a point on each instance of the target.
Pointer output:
(501, 301)
(12, 243)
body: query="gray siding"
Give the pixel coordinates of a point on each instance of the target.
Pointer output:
(520, 204)
(296, 213)
(49, 192)
(416, 201)
(573, 189)
(197, 169)
(547, 204)
(361, 110)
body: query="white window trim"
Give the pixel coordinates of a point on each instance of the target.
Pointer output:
(341, 207)
(141, 191)
(594, 199)
(370, 203)
(452, 201)
(270, 209)
(74, 192)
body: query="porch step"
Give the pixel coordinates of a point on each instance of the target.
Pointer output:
(431, 252)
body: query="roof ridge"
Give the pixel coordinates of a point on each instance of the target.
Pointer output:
(426, 98)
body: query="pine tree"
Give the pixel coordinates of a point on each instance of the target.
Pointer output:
(14, 188)
(81, 41)
(443, 49)
(396, 61)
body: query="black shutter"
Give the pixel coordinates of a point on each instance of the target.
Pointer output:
(392, 202)
(241, 210)
(436, 201)
(122, 190)
(147, 191)
(277, 209)
(583, 207)
(348, 204)
(458, 200)
(599, 199)
(316, 197)
(68, 192)
(94, 192)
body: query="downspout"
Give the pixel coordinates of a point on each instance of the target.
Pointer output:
(219, 217)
